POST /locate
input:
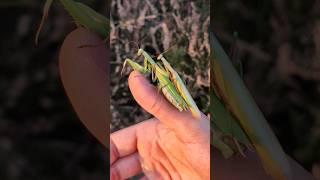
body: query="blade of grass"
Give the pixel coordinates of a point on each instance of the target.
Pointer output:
(46, 9)
(82, 14)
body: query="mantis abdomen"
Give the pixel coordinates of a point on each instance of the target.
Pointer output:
(171, 94)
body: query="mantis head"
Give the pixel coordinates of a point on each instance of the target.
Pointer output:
(140, 52)
(159, 57)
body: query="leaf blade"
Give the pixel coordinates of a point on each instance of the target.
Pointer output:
(242, 105)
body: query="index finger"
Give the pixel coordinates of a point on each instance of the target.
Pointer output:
(124, 141)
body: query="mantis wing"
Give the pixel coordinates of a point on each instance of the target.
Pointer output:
(239, 101)
(181, 87)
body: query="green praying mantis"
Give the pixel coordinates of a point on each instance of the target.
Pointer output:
(168, 81)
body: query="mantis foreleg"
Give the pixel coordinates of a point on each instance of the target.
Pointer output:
(134, 66)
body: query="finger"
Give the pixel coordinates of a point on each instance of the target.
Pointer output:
(126, 167)
(155, 103)
(124, 141)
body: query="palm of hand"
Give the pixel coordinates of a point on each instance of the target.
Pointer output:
(165, 154)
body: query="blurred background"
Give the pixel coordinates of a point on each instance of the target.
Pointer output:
(40, 134)
(279, 47)
(177, 28)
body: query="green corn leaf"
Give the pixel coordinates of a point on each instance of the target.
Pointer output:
(239, 102)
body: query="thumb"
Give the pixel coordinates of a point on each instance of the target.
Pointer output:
(150, 99)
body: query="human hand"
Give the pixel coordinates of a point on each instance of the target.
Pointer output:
(172, 145)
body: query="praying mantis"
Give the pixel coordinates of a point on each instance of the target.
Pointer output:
(169, 82)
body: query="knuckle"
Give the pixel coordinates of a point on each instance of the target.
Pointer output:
(156, 107)
(114, 153)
